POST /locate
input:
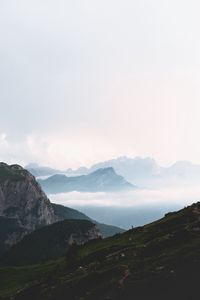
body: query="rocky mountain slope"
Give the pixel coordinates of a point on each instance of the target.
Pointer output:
(22, 200)
(102, 180)
(158, 261)
(10, 233)
(24, 207)
(21, 197)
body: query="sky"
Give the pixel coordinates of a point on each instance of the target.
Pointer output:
(85, 81)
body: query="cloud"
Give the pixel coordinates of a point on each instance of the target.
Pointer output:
(60, 150)
(11, 151)
(135, 208)
(174, 197)
(99, 82)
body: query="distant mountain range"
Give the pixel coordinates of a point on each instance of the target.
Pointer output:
(143, 172)
(43, 171)
(101, 180)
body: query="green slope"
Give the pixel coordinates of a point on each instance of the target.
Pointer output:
(65, 213)
(13, 172)
(158, 261)
(47, 243)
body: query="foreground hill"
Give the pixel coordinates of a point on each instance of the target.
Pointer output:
(158, 261)
(102, 180)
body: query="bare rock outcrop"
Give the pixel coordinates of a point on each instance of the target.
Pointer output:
(81, 238)
(22, 199)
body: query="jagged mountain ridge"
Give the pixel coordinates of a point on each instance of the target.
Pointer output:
(143, 172)
(38, 171)
(129, 168)
(101, 180)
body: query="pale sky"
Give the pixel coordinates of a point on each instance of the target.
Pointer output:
(85, 81)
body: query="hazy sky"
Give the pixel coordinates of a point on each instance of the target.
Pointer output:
(83, 81)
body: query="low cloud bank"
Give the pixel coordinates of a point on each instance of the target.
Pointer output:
(175, 196)
(129, 209)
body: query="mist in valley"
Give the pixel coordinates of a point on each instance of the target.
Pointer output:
(133, 208)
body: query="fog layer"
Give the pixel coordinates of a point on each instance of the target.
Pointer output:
(131, 208)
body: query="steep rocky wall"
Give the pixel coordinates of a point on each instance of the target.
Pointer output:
(22, 198)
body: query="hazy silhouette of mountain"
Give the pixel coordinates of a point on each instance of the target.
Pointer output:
(101, 180)
(143, 172)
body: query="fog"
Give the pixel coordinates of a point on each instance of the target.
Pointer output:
(128, 209)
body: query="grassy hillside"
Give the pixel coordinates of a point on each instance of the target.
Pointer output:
(10, 173)
(64, 213)
(108, 230)
(15, 279)
(47, 243)
(158, 261)
(68, 213)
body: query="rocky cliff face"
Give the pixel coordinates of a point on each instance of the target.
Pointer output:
(22, 199)
(81, 238)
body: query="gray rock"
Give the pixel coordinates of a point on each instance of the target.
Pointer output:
(22, 198)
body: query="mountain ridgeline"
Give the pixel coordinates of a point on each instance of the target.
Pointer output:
(101, 180)
(24, 207)
(142, 172)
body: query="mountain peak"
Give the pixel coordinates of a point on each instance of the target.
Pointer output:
(101, 171)
(101, 180)
(22, 198)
